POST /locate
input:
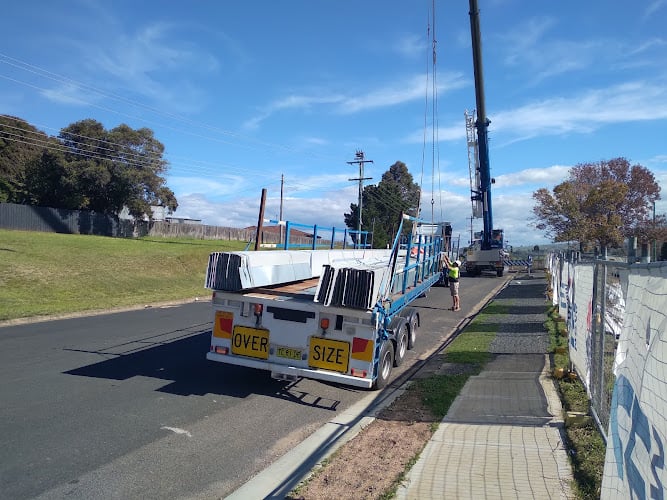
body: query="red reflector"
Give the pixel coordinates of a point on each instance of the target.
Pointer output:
(359, 344)
(358, 373)
(324, 323)
(221, 350)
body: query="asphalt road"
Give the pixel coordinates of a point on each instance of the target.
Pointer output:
(125, 405)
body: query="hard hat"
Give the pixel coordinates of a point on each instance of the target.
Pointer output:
(458, 263)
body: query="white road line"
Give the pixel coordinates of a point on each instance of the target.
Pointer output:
(176, 430)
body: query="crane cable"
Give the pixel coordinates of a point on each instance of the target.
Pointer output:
(435, 149)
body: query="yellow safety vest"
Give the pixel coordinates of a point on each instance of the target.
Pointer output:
(454, 273)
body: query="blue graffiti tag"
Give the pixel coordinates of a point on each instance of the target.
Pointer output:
(624, 397)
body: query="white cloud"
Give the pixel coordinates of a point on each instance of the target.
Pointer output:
(290, 102)
(583, 113)
(220, 185)
(315, 141)
(410, 46)
(69, 93)
(444, 134)
(326, 210)
(653, 7)
(545, 177)
(406, 90)
(315, 182)
(623, 103)
(527, 49)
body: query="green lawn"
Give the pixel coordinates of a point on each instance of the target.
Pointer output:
(50, 273)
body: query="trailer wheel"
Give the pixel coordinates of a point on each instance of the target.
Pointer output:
(412, 331)
(401, 344)
(385, 364)
(499, 272)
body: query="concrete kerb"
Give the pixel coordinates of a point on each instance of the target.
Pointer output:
(286, 473)
(98, 312)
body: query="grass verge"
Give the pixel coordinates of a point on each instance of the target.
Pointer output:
(49, 273)
(585, 444)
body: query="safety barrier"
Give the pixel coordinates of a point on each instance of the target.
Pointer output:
(617, 328)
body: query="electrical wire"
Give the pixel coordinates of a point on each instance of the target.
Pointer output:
(44, 73)
(137, 159)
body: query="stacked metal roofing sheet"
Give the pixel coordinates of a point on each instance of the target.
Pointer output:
(233, 271)
(358, 287)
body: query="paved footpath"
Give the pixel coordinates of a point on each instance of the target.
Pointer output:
(503, 436)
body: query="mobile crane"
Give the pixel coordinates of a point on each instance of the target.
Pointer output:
(486, 253)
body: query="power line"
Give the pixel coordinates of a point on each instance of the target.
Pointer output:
(43, 73)
(196, 166)
(380, 195)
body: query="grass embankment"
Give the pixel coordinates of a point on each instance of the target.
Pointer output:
(49, 273)
(584, 441)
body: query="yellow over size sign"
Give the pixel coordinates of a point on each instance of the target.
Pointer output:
(253, 342)
(329, 354)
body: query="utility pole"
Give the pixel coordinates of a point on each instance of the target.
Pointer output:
(260, 219)
(359, 159)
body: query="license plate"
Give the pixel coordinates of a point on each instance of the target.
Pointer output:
(253, 342)
(329, 354)
(289, 353)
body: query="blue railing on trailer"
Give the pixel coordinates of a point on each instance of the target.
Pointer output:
(318, 232)
(426, 266)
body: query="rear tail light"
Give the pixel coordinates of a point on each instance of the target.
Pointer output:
(324, 323)
(221, 350)
(358, 373)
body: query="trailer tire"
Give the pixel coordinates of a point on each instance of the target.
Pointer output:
(412, 331)
(500, 272)
(385, 364)
(402, 340)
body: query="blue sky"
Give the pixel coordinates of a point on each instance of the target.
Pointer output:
(242, 93)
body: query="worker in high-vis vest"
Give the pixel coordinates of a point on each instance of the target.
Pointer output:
(453, 272)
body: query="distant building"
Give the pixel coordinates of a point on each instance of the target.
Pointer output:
(160, 214)
(182, 220)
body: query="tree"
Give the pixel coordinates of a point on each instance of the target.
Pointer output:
(53, 182)
(601, 203)
(383, 204)
(85, 167)
(117, 168)
(20, 145)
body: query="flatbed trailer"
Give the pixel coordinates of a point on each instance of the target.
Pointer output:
(305, 329)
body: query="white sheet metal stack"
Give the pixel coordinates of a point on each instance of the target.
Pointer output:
(234, 271)
(356, 285)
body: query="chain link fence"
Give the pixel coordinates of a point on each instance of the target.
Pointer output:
(592, 296)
